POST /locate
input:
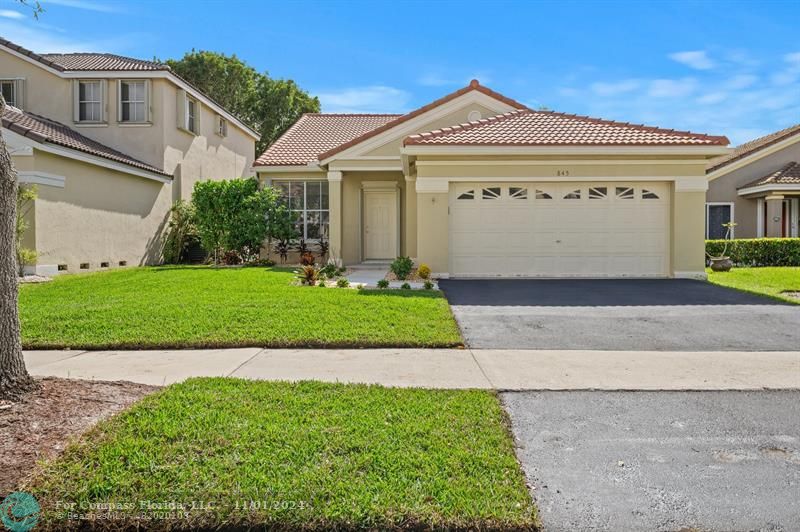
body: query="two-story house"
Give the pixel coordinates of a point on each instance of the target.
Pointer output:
(111, 142)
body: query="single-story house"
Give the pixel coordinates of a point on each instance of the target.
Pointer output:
(476, 184)
(757, 186)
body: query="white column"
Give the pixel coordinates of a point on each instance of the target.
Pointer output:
(335, 214)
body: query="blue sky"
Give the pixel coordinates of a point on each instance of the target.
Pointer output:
(719, 67)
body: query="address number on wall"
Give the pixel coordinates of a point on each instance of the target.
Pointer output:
(562, 173)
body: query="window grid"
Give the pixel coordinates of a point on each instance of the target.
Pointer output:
(133, 101)
(9, 91)
(309, 201)
(90, 101)
(191, 115)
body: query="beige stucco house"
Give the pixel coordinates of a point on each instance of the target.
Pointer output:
(757, 186)
(110, 142)
(476, 184)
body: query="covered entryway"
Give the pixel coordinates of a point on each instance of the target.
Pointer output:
(580, 229)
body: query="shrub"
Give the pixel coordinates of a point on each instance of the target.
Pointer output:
(758, 251)
(323, 246)
(383, 283)
(329, 270)
(307, 258)
(405, 286)
(181, 232)
(26, 257)
(428, 284)
(264, 263)
(307, 274)
(424, 271)
(401, 267)
(283, 247)
(231, 258)
(342, 282)
(341, 270)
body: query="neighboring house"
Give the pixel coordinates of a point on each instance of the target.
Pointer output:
(757, 186)
(111, 142)
(476, 184)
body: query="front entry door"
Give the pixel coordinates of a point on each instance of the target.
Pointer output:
(380, 224)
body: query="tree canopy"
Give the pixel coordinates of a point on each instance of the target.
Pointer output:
(269, 105)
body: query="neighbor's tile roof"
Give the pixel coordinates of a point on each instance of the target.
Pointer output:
(314, 133)
(547, 128)
(43, 129)
(788, 175)
(752, 147)
(101, 62)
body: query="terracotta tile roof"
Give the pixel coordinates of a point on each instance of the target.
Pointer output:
(43, 129)
(474, 85)
(753, 146)
(788, 175)
(547, 128)
(314, 133)
(101, 62)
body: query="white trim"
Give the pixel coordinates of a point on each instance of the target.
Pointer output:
(439, 149)
(37, 177)
(768, 188)
(398, 168)
(755, 156)
(794, 217)
(153, 74)
(20, 151)
(560, 162)
(682, 184)
(732, 215)
(699, 275)
(433, 185)
(379, 185)
(691, 184)
(760, 216)
(412, 125)
(279, 169)
(334, 176)
(84, 157)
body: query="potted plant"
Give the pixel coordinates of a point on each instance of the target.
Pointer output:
(723, 263)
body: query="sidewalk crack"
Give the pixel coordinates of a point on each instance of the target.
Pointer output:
(240, 366)
(485, 376)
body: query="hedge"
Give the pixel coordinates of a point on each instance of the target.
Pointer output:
(758, 251)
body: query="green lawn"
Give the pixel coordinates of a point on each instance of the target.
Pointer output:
(769, 281)
(177, 307)
(304, 455)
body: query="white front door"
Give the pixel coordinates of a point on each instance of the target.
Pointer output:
(602, 229)
(380, 224)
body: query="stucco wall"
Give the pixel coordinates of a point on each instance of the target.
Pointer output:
(100, 215)
(745, 210)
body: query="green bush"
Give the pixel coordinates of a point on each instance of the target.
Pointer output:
(343, 282)
(181, 232)
(428, 285)
(424, 271)
(401, 267)
(405, 286)
(383, 283)
(758, 251)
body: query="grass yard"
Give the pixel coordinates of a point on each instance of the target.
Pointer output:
(291, 456)
(770, 281)
(180, 307)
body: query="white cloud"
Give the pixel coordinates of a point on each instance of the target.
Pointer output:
(603, 88)
(46, 39)
(697, 59)
(791, 74)
(672, 88)
(434, 80)
(87, 5)
(371, 99)
(8, 13)
(741, 81)
(712, 97)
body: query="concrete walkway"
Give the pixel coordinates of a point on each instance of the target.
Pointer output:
(440, 368)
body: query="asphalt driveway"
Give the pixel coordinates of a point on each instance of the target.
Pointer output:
(722, 461)
(619, 314)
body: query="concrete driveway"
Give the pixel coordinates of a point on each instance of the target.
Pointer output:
(722, 461)
(619, 314)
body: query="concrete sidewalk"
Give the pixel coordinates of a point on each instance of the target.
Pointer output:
(439, 368)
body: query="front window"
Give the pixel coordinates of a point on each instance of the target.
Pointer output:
(191, 115)
(90, 101)
(308, 200)
(9, 91)
(222, 127)
(717, 216)
(133, 101)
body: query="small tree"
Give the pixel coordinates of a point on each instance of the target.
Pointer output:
(181, 231)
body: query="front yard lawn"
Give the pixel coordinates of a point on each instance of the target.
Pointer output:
(292, 456)
(770, 281)
(179, 307)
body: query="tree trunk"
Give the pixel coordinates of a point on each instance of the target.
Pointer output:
(14, 378)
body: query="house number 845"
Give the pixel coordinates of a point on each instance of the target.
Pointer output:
(562, 173)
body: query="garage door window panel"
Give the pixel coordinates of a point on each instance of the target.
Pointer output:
(542, 195)
(598, 193)
(625, 193)
(491, 193)
(518, 193)
(574, 195)
(468, 195)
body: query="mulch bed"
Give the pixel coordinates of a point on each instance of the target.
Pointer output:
(44, 422)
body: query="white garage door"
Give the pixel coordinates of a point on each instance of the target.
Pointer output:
(559, 229)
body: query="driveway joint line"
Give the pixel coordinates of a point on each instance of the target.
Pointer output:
(240, 366)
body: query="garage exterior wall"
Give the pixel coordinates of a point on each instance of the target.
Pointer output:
(100, 215)
(687, 185)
